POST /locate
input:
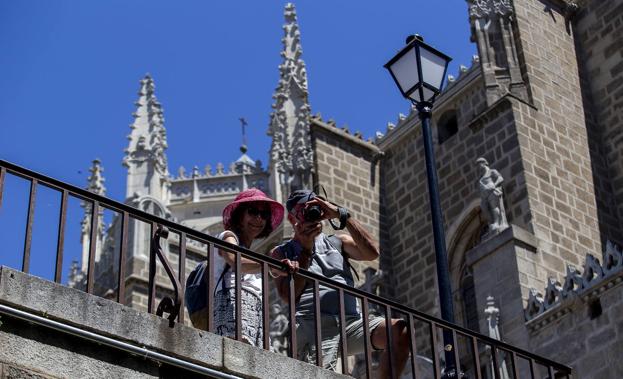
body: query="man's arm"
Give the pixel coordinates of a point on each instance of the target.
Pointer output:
(360, 245)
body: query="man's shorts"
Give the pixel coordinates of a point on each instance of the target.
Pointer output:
(330, 324)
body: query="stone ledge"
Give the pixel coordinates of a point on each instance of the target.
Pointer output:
(513, 233)
(111, 319)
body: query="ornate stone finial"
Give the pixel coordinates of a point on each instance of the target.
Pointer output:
(373, 280)
(535, 304)
(475, 59)
(220, 169)
(291, 154)
(613, 258)
(553, 293)
(379, 135)
(207, 170)
(573, 282)
(181, 172)
(451, 79)
(491, 197)
(196, 173)
(96, 180)
(592, 270)
(462, 69)
(390, 126)
(493, 317)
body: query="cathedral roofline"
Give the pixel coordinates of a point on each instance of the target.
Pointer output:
(356, 138)
(468, 78)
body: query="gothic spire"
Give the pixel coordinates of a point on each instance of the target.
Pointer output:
(96, 180)
(95, 184)
(291, 156)
(145, 156)
(148, 139)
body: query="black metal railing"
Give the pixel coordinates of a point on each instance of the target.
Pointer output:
(519, 363)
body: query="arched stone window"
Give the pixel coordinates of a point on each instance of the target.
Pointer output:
(447, 126)
(466, 234)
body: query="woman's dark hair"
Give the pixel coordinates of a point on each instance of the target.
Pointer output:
(236, 219)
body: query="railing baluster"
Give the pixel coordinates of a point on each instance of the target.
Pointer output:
(433, 342)
(531, 362)
(366, 335)
(550, 370)
(151, 295)
(514, 365)
(317, 323)
(494, 358)
(455, 346)
(211, 284)
(181, 265)
(2, 176)
(125, 219)
(60, 241)
(343, 344)
(412, 345)
(388, 348)
(476, 357)
(265, 307)
(238, 301)
(292, 308)
(92, 246)
(29, 221)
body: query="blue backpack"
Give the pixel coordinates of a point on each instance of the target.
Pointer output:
(196, 296)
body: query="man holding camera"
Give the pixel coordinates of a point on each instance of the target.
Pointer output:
(312, 250)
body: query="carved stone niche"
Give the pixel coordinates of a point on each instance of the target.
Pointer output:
(492, 26)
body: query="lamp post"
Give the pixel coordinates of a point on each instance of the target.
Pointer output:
(419, 71)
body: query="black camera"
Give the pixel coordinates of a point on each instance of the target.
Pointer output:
(312, 213)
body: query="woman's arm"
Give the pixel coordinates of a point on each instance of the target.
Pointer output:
(248, 266)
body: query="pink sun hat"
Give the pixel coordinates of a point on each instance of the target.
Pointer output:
(254, 195)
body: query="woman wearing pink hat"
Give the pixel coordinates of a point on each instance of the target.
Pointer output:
(250, 216)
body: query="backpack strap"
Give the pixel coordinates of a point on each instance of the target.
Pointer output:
(337, 244)
(221, 278)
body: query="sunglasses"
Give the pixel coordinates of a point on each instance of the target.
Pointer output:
(254, 212)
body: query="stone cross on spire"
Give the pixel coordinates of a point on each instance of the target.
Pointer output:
(291, 156)
(145, 156)
(243, 124)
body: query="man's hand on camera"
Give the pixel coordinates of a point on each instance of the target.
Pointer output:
(305, 232)
(329, 211)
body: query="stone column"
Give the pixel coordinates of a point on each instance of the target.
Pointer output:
(502, 266)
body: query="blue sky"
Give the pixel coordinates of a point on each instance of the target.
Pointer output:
(70, 71)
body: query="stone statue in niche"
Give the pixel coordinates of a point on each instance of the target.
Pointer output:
(491, 197)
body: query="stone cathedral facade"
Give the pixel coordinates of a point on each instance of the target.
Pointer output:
(542, 102)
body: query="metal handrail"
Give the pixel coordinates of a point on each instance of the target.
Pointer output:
(172, 306)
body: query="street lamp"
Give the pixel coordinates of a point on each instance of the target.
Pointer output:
(419, 71)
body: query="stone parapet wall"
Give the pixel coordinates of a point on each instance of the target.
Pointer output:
(57, 354)
(588, 335)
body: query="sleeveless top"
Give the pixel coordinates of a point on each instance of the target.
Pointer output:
(249, 282)
(328, 261)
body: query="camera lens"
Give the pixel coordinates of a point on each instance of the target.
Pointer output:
(313, 213)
